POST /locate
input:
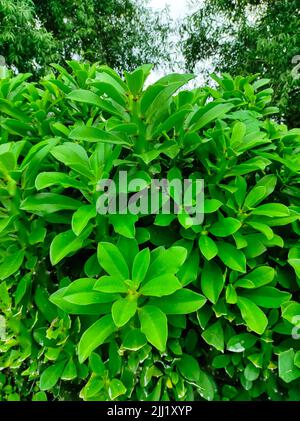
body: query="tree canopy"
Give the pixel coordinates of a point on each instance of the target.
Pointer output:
(250, 36)
(120, 33)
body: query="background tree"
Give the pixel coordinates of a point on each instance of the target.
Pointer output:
(250, 36)
(24, 43)
(120, 33)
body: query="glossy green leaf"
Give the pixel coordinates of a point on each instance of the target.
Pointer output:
(254, 317)
(81, 218)
(95, 336)
(267, 297)
(154, 326)
(140, 266)
(258, 277)
(161, 285)
(271, 210)
(64, 244)
(112, 261)
(123, 310)
(225, 227)
(214, 336)
(183, 301)
(51, 375)
(208, 247)
(231, 257)
(212, 281)
(11, 264)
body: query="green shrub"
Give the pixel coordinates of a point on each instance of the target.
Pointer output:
(147, 307)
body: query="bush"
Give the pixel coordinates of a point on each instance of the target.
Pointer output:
(147, 306)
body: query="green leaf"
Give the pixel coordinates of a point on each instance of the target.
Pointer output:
(239, 343)
(263, 228)
(85, 96)
(92, 309)
(268, 297)
(238, 133)
(231, 295)
(74, 156)
(81, 218)
(214, 336)
(291, 312)
(134, 340)
(294, 260)
(189, 270)
(205, 386)
(255, 196)
(47, 203)
(124, 224)
(140, 266)
(269, 183)
(155, 103)
(272, 210)
(161, 285)
(231, 257)
(88, 97)
(135, 81)
(64, 244)
(189, 367)
(212, 281)
(48, 179)
(11, 264)
(212, 205)
(255, 245)
(95, 336)
(116, 388)
(110, 284)
(39, 397)
(254, 317)
(215, 111)
(81, 292)
(105, 84)
(70, 371)
(96, 364)
(258, 277)
(288, 371)
(112, 261)
(183, 301)
(168, 261)
(253, 164)
(225, 227)
(154, 326)
(93, 134)
(91, 266)
(251, 372)
(51, 375)
(208, 247)
(41, 299)
(123, 310)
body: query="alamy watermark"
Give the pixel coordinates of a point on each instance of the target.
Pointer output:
(2, 328)
(296, 329)
(296, 69)
(160, 196)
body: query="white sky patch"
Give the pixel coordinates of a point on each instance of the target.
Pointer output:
(178, 10)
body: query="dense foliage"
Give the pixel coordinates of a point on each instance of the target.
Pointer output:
(247, 37)
(120, 33)
(147, 307)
